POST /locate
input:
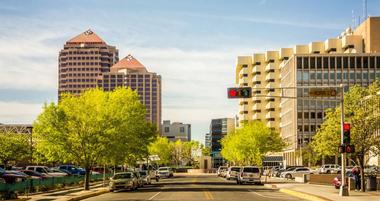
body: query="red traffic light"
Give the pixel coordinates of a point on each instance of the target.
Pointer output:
(232, 93)
(346, 126)
(240, 92)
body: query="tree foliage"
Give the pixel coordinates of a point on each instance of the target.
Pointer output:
(361, 110)
(96, 127)
(249, 144)
(175, 153)
(14, 147)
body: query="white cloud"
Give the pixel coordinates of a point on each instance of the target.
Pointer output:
(15, 112)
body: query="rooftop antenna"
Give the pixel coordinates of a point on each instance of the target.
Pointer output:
(353, 19)
(364, 10)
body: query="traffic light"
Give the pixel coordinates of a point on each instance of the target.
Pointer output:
(242, 92)
(346, 133)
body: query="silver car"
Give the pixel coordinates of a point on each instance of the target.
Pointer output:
(232, 172)
(145, 177)
(249, 174)
(165, 172)
(123, 180)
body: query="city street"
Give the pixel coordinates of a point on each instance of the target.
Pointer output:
(197, 187)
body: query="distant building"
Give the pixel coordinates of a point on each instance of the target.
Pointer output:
(176, 131)
(87, 61)
(218, 129)
(82, 59)
(129, 72)
(208, 140)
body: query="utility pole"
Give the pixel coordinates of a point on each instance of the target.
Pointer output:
(343, 191)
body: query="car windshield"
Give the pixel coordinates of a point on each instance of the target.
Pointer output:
(163, 169)
(143, 173)
(123, 176)
(235, 169)
(251, 169)
(223, 168)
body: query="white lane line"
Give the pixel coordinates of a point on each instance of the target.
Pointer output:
(151, 198)
(279, 198)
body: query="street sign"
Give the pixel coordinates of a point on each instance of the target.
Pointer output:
(241, 92)
(322, 92)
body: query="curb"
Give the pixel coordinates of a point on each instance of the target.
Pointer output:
(87, 195)
(302, 195)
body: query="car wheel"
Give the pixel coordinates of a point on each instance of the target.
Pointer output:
(338, 172)
(288, 176)
(328, 172)
(111, 190)
(337, 187)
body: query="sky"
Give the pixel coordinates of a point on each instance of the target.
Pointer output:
(192, 44)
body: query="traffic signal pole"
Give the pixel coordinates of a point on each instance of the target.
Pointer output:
(343, 191)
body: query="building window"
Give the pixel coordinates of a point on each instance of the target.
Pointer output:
(306, 115)
(299, 115)
(166, 129)
(312, 115)
(181, 129)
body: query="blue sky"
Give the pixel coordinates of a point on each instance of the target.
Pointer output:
(192, 44)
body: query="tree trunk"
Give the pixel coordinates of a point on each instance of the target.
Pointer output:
(361, 165)
(87, 178)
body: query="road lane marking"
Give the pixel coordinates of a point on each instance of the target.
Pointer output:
(211, 196)
(208, 195)
(271, 197)
(151, 198)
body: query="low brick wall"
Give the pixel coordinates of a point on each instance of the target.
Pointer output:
(324, 179)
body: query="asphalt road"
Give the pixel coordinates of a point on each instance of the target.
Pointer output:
(197, 187)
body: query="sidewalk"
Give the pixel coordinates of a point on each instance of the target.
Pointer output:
(68, 194)
(320, 192)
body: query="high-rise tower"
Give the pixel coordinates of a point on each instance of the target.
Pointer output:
(82, 59)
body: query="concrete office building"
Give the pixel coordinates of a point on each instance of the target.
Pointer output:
(176, 131)
(129, 72)
(82, 59)
(218, 129)
(352, 58)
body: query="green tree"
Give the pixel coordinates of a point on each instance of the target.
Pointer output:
(14, 147)
(95, 127)
(206, 151)
(249, 144)
(361, 109)
(163, 148)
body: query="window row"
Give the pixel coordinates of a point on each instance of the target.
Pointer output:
(358, 75)
(338, 62)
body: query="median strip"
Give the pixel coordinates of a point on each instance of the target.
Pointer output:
(302, 195)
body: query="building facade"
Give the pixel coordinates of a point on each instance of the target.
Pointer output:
(218, 129)
(129, 72)
(281, 81)
(176, 131)
(82, 59)
(208, 140)
(87, 61)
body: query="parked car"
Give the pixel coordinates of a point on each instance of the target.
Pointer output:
(123, 180)
(295, 172)
(34, 174)
(232, 172)
(249, 174)
(278, 173)
(72, 169)
(145, 177)
(337, 181)
(140, 180)
(221, 170)
(11, 177)
(330, 169)
(165, 172)
(45, 170)
(275, 170)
